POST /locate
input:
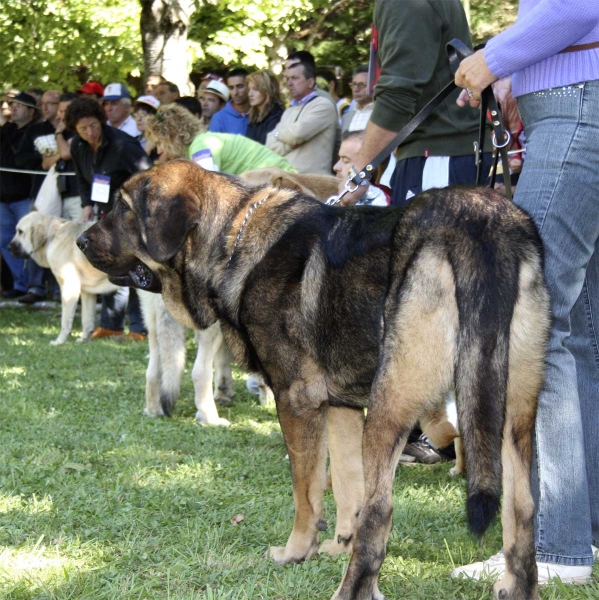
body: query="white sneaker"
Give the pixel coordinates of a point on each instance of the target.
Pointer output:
(566, 573)
(494, 568)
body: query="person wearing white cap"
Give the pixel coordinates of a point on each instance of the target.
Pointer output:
(212, 98)
(234, 117)
(117, 106)
(143, 107)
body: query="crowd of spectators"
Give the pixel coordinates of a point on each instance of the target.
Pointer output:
(252, 118)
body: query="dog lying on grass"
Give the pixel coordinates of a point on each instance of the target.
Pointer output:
(345, 308)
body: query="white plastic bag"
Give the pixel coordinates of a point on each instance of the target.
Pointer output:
(48, 200)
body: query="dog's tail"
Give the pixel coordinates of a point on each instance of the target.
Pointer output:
(171, 344)
(486, 292)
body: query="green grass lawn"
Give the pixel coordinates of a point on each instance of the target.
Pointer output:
(98, 501)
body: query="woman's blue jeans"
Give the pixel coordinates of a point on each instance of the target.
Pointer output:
(10, 214)
(559, 188)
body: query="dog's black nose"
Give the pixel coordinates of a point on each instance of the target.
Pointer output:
(82, 242)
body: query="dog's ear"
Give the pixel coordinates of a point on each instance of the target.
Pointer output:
(168, 224)
(38, 235)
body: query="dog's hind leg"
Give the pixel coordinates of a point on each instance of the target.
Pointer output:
(306, 440)
(223, 375)
(345, 427)
(88, 316)
(208, 341)
(528, 336)
(416, 369)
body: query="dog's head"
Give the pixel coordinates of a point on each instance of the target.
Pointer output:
(31, 235)
(152, 216)
(161, 231)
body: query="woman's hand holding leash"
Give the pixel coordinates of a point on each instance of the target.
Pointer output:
(474, 76)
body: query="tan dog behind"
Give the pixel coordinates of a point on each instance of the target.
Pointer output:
(166, 365)
(50, 242)
(317, 186)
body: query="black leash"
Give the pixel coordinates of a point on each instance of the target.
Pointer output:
(456, 51)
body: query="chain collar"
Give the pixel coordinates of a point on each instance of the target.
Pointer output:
(248, 215)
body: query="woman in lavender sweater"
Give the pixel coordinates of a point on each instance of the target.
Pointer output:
(552, 56)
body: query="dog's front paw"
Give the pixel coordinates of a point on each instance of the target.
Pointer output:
(59, 341)
(282, 556)
(333, 547)
(216, 422)
(153, 413)
(455, 471)
(506, 589)
(83, 338)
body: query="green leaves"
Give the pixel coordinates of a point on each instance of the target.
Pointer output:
(62, 43)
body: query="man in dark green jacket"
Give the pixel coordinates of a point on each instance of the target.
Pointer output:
(412, 35)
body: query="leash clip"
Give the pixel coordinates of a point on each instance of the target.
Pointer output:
(348, 190)
(354, 179)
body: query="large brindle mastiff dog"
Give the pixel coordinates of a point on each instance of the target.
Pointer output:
(344, 308)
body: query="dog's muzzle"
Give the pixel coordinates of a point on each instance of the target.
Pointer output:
(17, 250)
(82, 242)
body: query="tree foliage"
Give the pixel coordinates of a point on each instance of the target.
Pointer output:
(60, 43)
(489, 17)
(261, 34)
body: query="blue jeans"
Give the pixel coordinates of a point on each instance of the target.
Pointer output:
(559, 188)
(10, 214)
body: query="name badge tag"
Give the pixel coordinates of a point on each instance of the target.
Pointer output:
(204, 159)
(101, 188)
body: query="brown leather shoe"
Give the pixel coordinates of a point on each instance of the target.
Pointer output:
(102, 332)
(136, 337)
(30, 298)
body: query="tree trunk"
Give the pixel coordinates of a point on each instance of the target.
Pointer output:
(164, 25)
(466, 4)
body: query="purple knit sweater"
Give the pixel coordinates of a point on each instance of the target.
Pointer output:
(529, 49)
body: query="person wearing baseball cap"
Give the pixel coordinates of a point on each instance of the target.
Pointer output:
(234, 117)
(92, 89)
(143, 107)
(206, 79)
(117, 106)
(212, 98)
